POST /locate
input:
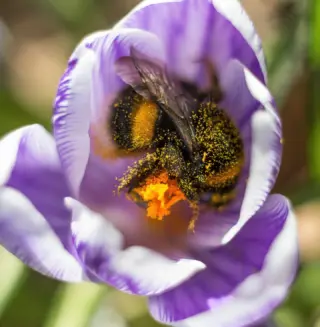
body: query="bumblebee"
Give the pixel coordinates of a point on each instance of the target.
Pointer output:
(182, 132)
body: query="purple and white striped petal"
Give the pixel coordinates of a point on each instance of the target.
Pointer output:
(31, 215)
(216, 30)
(71, 118)
(25, 233)
(266, 153)
(31, 165)
(133, 269)
(244, 280)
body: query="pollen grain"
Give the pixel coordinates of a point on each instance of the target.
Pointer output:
(143, 123)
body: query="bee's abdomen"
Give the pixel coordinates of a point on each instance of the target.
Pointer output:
(143, 123)
(133, 121)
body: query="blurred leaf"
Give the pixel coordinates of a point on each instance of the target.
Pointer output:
(305, 193)
(144, 321)
(32, 302)
(287, 317)
(304, 297)
(74, 305)
(308, 286)
(129, 306)
(314, 62)
(72, 10)
(286, 55)
(314, 42)
(11, 277)
(13, 114)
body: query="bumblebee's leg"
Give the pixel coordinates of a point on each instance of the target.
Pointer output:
(171, 159)
(136, 174)
(195, 214)
(220, 200)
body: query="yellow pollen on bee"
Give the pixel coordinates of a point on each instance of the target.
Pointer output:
(195, 209)
(204, 156)
(222, 177)
(160, 193)
(216, 198)
(144, 118)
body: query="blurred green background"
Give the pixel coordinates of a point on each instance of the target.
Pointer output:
(36, 39)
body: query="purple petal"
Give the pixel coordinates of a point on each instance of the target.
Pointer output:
(71, 118)
(23, 229)
(32, 167)
(134, 269)
(217, 30)
(97, 192)
(9, 147)
(33, 220)
(266, 153)
(25, 233)
(244, 280)
(239, 102)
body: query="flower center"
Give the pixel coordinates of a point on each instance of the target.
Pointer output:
(160, 193)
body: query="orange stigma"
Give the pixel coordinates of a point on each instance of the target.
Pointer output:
(160, 193)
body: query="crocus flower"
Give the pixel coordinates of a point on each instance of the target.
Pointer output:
(157, 180)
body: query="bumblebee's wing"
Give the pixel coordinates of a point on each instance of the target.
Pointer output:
(151, 80)
(215, 93)
(163, 89)
(126, 69)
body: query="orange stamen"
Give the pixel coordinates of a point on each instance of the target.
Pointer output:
(161, 193)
